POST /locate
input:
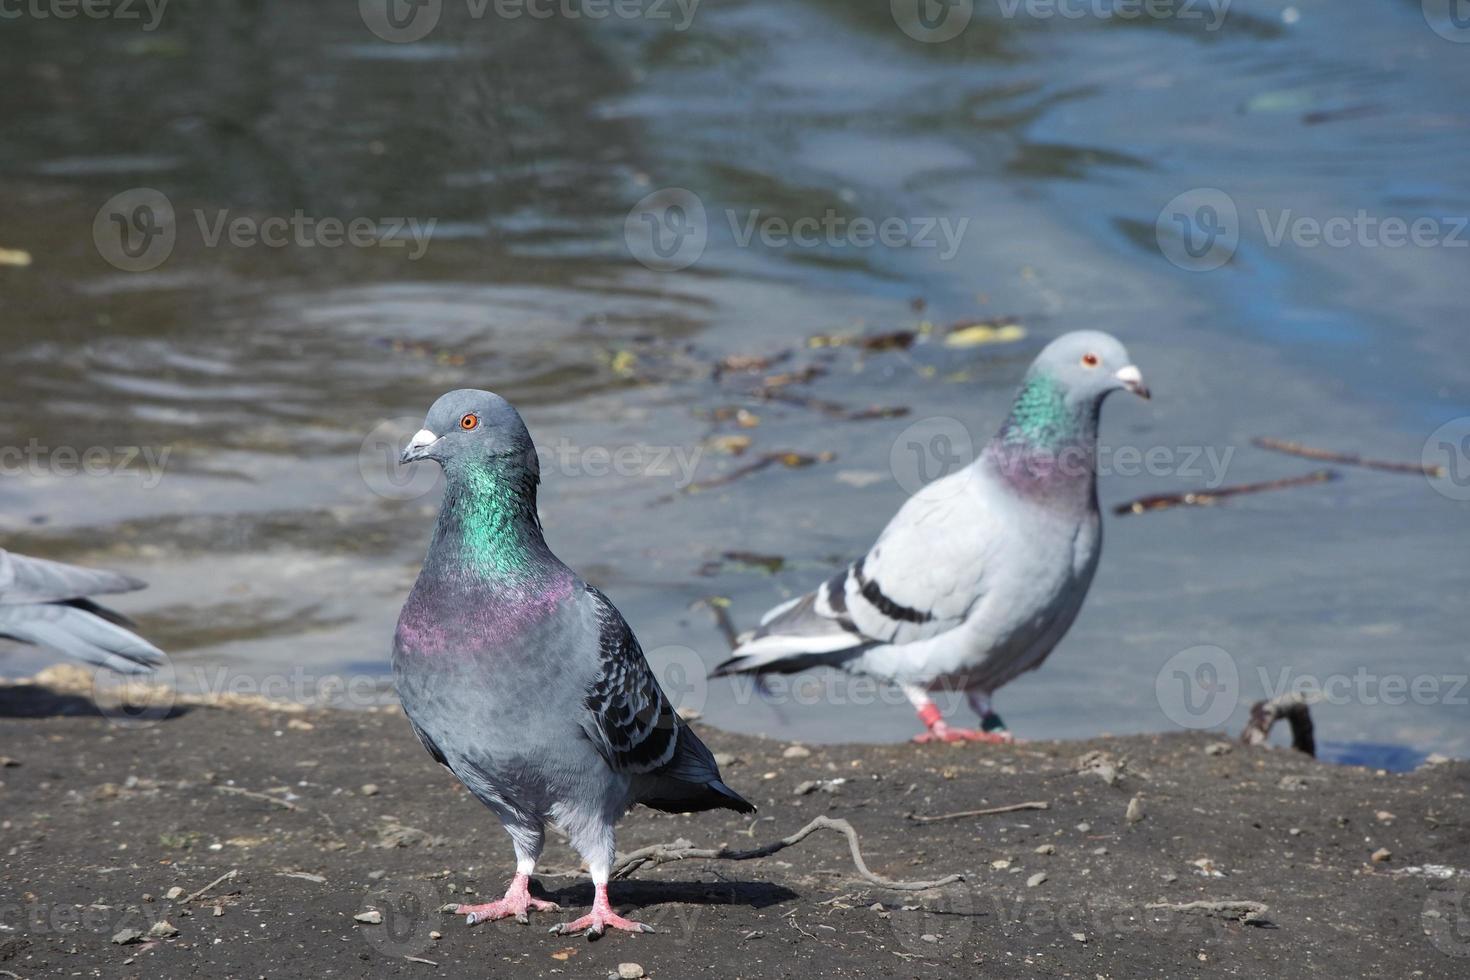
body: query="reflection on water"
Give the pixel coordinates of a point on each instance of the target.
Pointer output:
(522, 145)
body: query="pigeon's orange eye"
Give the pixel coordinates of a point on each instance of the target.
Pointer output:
(1089, 360)
(469, 421)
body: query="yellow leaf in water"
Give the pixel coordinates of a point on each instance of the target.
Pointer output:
(17, 257)
(623, 362)
(985, 333)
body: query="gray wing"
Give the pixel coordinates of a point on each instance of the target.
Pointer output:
(629, 719)
(918, 582)
(45, 603)
(24, 579)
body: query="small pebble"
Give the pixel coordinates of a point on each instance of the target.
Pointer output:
(1099, 851)
(1000, 864)
(372, 917)
(1046, 849)
(1384, 816)
(796, 752)
(162, 929)
(1081, 937)
(369, 789)
(929, 937)
(1218, 748)
(1381, 855)
(173, 892)
(436, 934)
(629, 971)
(127, 937)
(1036, 879)
(1135, 810)
(1084, 827)
(376, 875)
(219, 910)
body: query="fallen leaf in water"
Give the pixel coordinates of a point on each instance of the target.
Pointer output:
(747, 419)
(732, 445)
(623, 363)
(985, 332)
(17, 257)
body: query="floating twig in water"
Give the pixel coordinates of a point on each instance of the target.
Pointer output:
(1207, 498)
(1346, 459)
(987, 812)
(835, 410)
(1292, 707)
(787, 458)
(719, 608)
(683, 850)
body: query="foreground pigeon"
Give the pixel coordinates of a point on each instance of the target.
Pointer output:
(980, 573)
(46, 603)
(523, 680)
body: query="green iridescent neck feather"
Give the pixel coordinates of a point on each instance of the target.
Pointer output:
(1041, 417)
(491, 512)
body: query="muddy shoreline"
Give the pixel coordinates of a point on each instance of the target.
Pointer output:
(280, 826)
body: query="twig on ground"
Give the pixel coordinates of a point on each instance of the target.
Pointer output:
(988, 811)
(236, 790)
(227, 876)
(1293, 707)
(1251, 913)
(1206, 498)
(1346, 459)
(683, 850)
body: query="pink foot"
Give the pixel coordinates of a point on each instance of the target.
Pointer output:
(941, 732)
(599, 920)
(517, 902)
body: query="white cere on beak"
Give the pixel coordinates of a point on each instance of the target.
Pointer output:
(1132, 379)
(424, 437)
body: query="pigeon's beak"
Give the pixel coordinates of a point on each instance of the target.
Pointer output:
(418, 447)
(1132, 379)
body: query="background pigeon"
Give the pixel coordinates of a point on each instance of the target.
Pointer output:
(523, 680)
(980, 573)
(45, 602)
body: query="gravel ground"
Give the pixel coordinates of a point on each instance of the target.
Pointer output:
(116, 840)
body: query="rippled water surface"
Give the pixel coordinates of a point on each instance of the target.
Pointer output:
(275, 538)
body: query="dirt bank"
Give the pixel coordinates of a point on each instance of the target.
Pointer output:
(318, 817)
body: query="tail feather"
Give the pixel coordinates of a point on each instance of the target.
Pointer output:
(690, 782)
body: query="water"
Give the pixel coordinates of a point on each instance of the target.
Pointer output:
(1057, 141)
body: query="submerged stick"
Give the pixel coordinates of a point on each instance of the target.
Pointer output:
(682, 850)
(788, 458)
(988, 811)
(1346, 459)
(1207, 498)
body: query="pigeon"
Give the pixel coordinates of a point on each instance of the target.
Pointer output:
(46, 603)
(524, 681)
(980, 573)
